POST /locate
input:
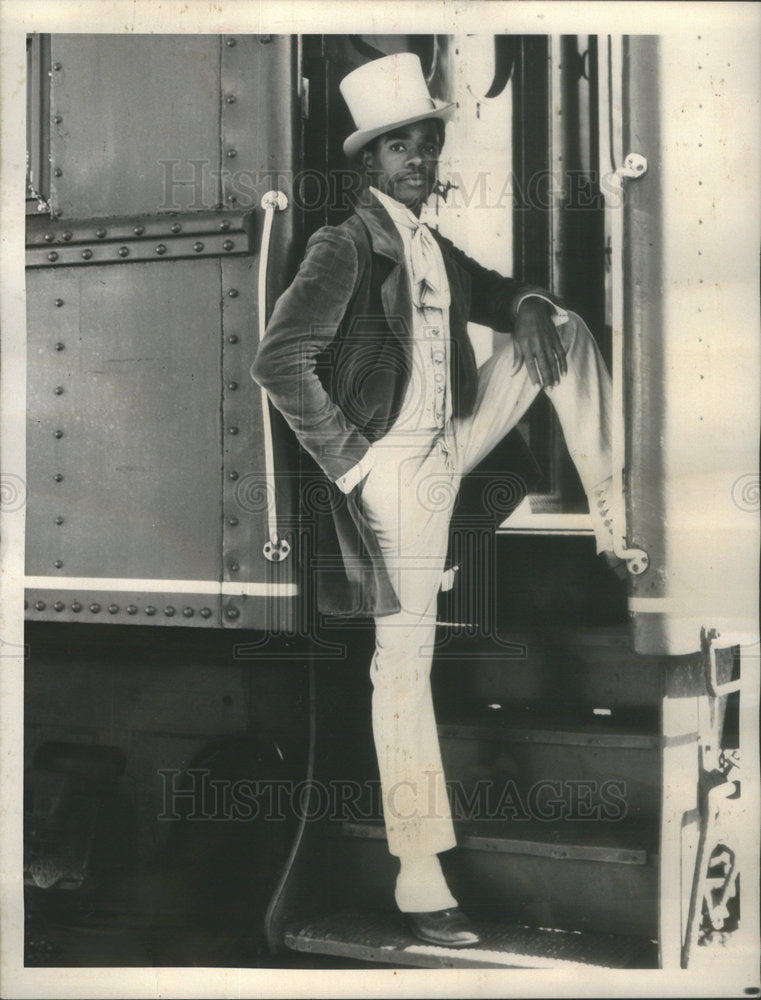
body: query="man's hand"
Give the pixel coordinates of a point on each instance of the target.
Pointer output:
(537, 343)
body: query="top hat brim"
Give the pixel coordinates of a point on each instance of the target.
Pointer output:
(361, 137)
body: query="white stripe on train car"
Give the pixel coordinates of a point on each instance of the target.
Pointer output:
(161, 586)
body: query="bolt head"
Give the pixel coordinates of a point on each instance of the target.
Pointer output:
(124, 251)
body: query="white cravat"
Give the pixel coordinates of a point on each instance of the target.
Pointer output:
(428, 280)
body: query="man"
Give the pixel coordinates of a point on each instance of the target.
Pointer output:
(368, 358)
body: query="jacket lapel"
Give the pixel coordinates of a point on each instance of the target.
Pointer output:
(385, 241)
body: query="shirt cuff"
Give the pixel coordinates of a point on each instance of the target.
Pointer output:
(559, 316)
(356, 473)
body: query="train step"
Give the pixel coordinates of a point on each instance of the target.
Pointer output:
(578, 876)
(383, 938)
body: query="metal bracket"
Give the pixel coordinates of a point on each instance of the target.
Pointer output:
(635, 166)
(276, 550)
(707, 643)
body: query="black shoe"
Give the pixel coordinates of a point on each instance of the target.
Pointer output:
(447, 928)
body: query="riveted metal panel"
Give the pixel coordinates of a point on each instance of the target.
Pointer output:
(248, 488)
(260, 110)
(124, 426)
(135, 123)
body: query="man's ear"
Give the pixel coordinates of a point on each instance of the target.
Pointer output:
(367, 159)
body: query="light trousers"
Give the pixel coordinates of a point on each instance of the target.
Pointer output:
(408, 497)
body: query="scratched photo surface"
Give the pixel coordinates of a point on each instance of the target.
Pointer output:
(383, 503)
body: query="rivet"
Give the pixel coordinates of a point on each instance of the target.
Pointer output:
(59, 302)
(188, 612)
(58, 564)
(58, 390)
(224, 225)
(232, 520)
(58, 477)
(58, 172)
(206, 612)
(58, 119)
(113, 609)
(234, 567)
(232, 430)
(228, 245)
(40, 605)
(169, 611)
(265, 39)
(58, 434)
(161, 248)
(87, 254)
(198, 246)
(59, 346)
(232, 386)
(76, 606)
(48, 237)
(231, 198)
(230, 99)
(232, 153)
(232, 613)
(230, 42)
(233, 293)
(124, 251)
(232, 475)
(59, 520)
(233, 338)
(95, 608)
(59, 606)
(176, 227)
(138, 230)
(66, 235)
(53, 255)
(57, 66)
(150, 610)
(58, 213)
(131, 609)
(100, 233)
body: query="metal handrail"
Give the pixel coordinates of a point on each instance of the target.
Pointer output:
(276, 548)
(634, 166)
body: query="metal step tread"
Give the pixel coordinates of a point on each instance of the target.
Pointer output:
(618, 729)
(383, 938)
(629, 842)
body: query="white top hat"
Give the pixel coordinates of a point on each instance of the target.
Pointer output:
(385, 94)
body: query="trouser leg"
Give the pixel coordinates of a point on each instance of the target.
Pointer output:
(408, 503)
(582, 401)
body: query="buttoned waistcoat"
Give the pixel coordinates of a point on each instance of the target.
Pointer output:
(335, 361)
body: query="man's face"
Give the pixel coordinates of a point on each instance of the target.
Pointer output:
(403, 163)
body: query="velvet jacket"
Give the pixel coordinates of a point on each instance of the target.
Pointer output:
(335, 361)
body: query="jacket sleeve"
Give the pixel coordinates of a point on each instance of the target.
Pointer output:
(304, 321)
(494, 298)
